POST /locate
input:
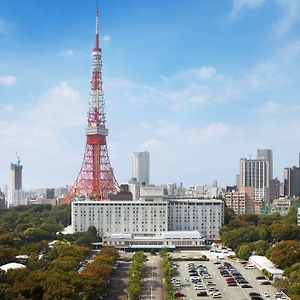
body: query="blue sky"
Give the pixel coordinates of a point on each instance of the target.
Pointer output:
(197, 83)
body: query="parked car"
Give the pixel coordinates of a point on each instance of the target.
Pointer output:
(266, 295)
(179, 294)
(230, 279)
(231, 283)
(261, 278)
(217, 295)
(246, 286)
(266, 282)
(278, 295)
(252, 294)
(249, 267)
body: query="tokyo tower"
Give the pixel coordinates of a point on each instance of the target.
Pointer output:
(96, 179)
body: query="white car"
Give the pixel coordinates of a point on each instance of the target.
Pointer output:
(278, 295)
(266, 295)
(217, 295)
(249, 267)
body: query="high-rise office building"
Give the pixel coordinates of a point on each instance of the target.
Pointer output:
(15, 193)
(292, 181)
(266, 154)
(258, 173)
(140, 167)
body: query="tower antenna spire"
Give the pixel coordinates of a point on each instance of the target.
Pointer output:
(97, 27)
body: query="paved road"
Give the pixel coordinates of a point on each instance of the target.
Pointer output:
(118, 283)
(152, 287)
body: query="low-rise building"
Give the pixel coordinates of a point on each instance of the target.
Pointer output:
(261, 262)
(281, 205)
(12, 266)
(170, 239)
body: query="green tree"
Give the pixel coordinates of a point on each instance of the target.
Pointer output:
(280, 232)
(7, 255)
(233, 238)
(229, 214)
(244, 251)
(260, 247)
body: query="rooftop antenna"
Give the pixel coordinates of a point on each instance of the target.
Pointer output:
(18, 158)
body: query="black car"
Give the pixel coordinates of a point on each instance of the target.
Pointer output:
(261, 278)
(242, 281)
(266, 282)
(246, 286)
(252, 294)
(257, 298)
(202, 294)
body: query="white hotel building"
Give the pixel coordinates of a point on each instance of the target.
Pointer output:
(151, 216)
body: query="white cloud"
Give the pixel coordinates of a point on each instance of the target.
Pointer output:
(42, 134)
(239, 5)
(150, 145)
(211, 131)
(171, 131)
(120, 83)
(59, 107)
(290, 12)
(205, 85)
(67, 53)
(5, 27)
(106, 39)
(273, 108)
(8, 80)
(205, 72)
(7, 108)
(291, 15)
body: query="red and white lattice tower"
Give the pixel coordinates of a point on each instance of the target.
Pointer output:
(96, 179)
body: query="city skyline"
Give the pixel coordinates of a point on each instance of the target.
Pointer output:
(197, 85)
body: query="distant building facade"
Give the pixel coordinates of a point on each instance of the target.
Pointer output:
(240, 199)
(141, 167)
(50, 193)
(281, 206)
(2, 200)
(274, 188)
(257, 173)
(15, 192)
(292, 181)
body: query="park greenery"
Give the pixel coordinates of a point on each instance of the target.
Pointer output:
(274, 236)
(168, 271)
(60, 270)
(136, 274)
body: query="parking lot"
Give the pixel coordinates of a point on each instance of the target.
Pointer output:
(216, 283)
